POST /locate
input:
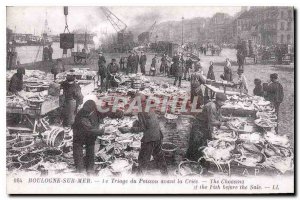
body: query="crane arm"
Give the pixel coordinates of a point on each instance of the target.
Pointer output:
(117, 23)
(152, 28)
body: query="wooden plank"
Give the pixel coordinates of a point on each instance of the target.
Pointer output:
(217, 90)
(19, 129)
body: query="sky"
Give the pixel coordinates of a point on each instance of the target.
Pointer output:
(32, 19)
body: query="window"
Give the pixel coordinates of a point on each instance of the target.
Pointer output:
(288, 39)
(289, 26)
(282, 26)
(281, 39)
(282, 14)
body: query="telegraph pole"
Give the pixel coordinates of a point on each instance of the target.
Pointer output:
(182, 30)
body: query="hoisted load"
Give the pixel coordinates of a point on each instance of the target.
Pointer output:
(66, 39)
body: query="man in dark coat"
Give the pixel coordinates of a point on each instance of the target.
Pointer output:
(72, 99)
(102, 71)
(188, 67)
(148, 123)
(45, 53)
(210, 73)
(275, 93)
(211, 76)
(130, 63)
(240, 60)
(178, 68)
(122, 63)
(143, 60)
(197, 79)
(203, 124)
(164, 65)
(227, 71)
(85, 131)
(153, 66)
(258, 89)
(136, 63)
(50, 51)
(112, 70)
(16, 81)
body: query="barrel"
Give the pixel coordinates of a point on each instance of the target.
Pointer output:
(54, 137)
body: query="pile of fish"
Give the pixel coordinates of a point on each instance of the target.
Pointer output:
(27, 99)
(256, 149)
(118, 150)
(256, 103)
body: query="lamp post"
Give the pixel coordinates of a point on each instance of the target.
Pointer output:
(182, 30)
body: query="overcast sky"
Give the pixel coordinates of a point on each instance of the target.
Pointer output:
(30, 19)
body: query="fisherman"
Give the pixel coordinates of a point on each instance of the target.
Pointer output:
(102, 71)
(16, 81)
(164, 65)
(45, 53)
(210, 76)
(202, 127)
(210, 73)
(57, 68)
(112, 71)
(130, 63)
(258, 89)
(274, 93)
(242, 83)
(122, 63)
(153, 66)
(188, 67)
(136, 62)
(72, 99)
(85, 131)
(240, 60)
(143, 60)
(151, 142)
(178, 68)
(197, 79)
(227, 76)
(50, 52)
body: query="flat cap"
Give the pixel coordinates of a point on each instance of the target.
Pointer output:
(274, 76)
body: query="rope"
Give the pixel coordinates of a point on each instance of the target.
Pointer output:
(66, 24)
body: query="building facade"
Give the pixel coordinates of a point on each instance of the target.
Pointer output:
(267, 25)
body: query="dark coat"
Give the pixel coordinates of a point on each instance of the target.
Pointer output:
(148, 123)
(258, 91)
(72, 92)
(113, 68)
(101, 61)
(130, 62)
(177, 64)
(227, 74)
(210, 73)
(275, 92)
(86, 125)
(16, 83)
(137, 60)
(143, 60)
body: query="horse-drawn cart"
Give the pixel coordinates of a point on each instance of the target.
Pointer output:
(80, 57)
